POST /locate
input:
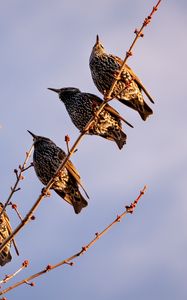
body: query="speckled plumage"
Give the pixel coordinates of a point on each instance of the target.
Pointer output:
(82, 106)
(47, 158)
(5, 231)
(128, 90)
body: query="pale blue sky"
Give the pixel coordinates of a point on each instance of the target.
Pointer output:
(47, 44)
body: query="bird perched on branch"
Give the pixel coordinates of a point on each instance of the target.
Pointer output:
(128, 89)
(47, 157)
(82, 107)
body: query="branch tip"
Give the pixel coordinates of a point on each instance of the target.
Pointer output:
(29, 283)
(67, 138)
(25, 263)
(69, 263)
(144, 190)
(14, 206)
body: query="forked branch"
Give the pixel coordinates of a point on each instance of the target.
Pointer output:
(19, 176)
(107, 98)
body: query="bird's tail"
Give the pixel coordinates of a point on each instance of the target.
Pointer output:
(141, 107)
(121, 139)
(145, 112)
(5, 255)
(74, 198)
(5, 231)
(118, 136)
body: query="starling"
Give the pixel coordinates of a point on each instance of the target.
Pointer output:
(82, 106)
(128, 90)
(5, 231)
(47, 158)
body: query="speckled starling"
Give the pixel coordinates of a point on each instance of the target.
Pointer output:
(82, 106)
(128, 90)
(5, 231)
(47, 157)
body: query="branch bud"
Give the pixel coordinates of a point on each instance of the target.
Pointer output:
(32, 284)
(67, 138)
(14, 206)
(25, 263)
(49, 267)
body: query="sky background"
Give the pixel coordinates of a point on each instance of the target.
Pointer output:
(48, 44)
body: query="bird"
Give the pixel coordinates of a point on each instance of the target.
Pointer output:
(47, 157)
(81, 107)
(128, 89)
(5, 231)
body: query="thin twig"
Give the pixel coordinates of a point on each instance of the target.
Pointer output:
(14, 206)
(129, 209)
(107, 98)
(25, 169)
(139, 33)
(8, 277)
(19, 176)
(67, 140)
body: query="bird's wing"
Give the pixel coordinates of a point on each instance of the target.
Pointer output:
(139, 83)
(135, 77)
(108, 108)
(9, 228)
(115, 113)
(117, 59)
(99, 101)
(69, 166)
(73, 171)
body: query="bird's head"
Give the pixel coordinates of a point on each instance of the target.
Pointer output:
(98, 48)
(65, 92)
(39, 139)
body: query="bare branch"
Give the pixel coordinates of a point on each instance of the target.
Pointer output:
(19, 176)
(139, 33)
(107, 98)
(25, 169)
(14, 206)
(67, 140)
(129, 209)
(9, 277)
